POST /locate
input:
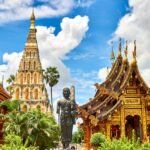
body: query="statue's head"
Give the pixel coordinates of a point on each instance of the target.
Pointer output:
(66, 93)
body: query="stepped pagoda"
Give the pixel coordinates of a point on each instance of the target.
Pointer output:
(29, 85)
(121, 103)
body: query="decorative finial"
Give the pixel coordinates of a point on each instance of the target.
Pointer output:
(126, 51)
(119, 54)
(32, 19)
(112, 57)
(134, 54)
(107, 71)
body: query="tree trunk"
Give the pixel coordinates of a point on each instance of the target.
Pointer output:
(51, 91)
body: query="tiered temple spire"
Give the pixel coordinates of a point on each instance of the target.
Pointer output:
(29, 85)
(32, 19)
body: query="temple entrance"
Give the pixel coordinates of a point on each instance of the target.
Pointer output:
(133, 123)
(115, 131)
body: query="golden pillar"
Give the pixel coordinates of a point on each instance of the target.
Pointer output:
(122, 122)
(108, 130)
(144, 120)
(87, 135)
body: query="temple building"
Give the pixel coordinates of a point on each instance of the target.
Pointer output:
(29, 84)
(121, 103)
(4, 96)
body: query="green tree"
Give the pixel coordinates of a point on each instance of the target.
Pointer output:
(145, 146)
(34, 127)
(78, 136)
(11, 105)
(121, 144)
(97, 139)
(14, 142)
(51, 76)
(10, 80)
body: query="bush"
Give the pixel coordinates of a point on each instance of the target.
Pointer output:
(34, 127)
(146, 146)
(121, 144)
(97, 139)
(14, 142)
(78, 136)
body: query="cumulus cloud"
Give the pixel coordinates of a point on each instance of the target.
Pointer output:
(21, 9)
(84, 3)
(53, 48)
(71, 34)
(102, 74)
(136, 26)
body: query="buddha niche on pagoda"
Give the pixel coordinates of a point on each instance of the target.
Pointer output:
(121, 103)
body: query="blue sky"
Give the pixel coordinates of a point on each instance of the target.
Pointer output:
(92, 52)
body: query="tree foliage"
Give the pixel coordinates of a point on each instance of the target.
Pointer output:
(121, 144)
(14, 142)
(11, 105)
(10, 80)
(34, 127)
(51, 76)
(97, 139)
(78, 136)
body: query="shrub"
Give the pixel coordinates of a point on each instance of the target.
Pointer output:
(34, 127)
(78, 136)
(14, 142)
(146, 146)
(121, 144)
(97, 139)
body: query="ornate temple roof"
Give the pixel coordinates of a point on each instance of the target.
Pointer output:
(108, 96)
(3, 94)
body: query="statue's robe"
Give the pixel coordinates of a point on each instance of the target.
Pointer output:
(66, 109)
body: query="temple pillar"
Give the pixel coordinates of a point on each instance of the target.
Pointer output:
(144, 129)
(108, 130)
(87, 136)
(122, 122)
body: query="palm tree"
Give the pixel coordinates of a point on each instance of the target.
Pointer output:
(51, 76)
(10, 80)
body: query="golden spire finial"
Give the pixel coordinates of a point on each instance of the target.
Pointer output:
(119, 54)
(126, 51)
(112, 57)
(32, 19)
(134, 54)
(107, 71)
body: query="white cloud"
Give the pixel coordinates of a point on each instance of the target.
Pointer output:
(136, 26)
(102, 74)
(71, 34)
(84, 3)
(53, 48)
(21, 9)
(11, 64)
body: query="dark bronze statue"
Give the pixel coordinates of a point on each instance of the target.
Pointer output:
(67, 109)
